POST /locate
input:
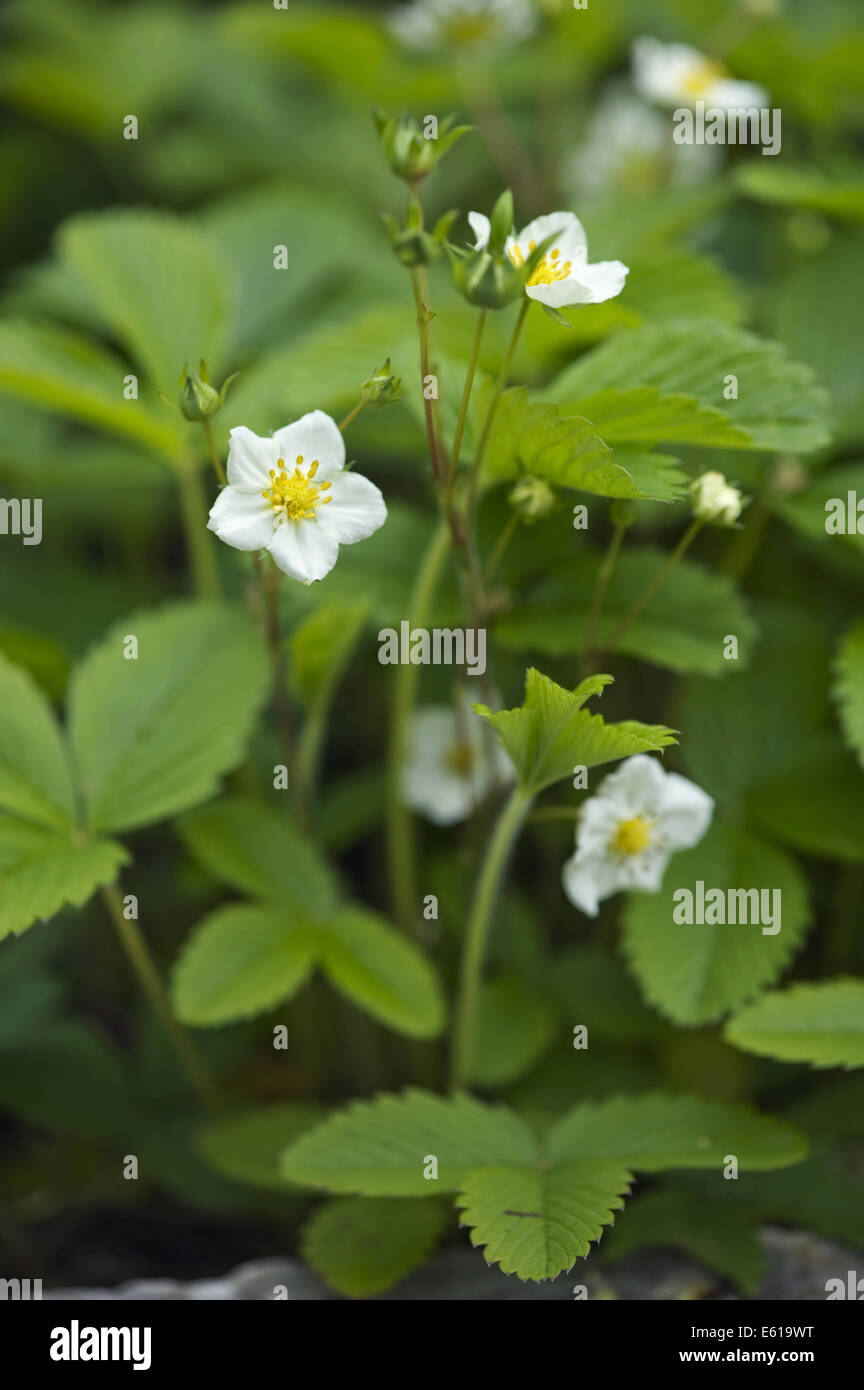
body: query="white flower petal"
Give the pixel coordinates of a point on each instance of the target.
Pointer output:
(635, 787)
(313, 436)
(588, 883)
(250, 458)
(730, 95)
(242, 519)
(570, 240)
(685, 812)
(588, 284)
(303, 551)
(481, 227)
(355, 510)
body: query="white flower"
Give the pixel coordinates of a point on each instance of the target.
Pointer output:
(289, 494)
(715, 500)
(639, 817)
(451, 763)
(563, 275)
(427, 25)
(673, 74)
(626, 146)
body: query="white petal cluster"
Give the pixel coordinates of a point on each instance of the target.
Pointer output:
(715, 500)
(674, 74)
(451, 765)
(564, 275)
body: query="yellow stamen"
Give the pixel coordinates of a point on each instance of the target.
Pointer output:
(546, 271)
(460, 759)
(295, 495)
(632, 836)
(702, 77)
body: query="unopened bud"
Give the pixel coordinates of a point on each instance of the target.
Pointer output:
(382, 387)
(716, 501)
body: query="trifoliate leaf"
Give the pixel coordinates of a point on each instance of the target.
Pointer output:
(767, 400)
(364, 1245)
(43, 869)
(258, 850)
(694, 972)
(248, 1145)
(152, 734)
(551, 733)
(822, 1024)
(538, 1223)
(383, 974)
(241, 961)
(35, 776)
(653, 1132)
(849, 687)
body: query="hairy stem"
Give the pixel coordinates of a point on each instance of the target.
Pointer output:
(656, 583)
(604, 574)
(199, 542)
(214, 455)
(463, 407)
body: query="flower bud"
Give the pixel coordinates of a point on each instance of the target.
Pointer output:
(199, 400)
(412, 244)
(533, 499)
(381, 387)
(716, 501)
(486, 280)
(410, 152)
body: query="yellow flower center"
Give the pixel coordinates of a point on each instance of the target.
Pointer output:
(549, 267)
(460, 759)
(468, 28)
(295, 494)
(632, 835)
(702, 76)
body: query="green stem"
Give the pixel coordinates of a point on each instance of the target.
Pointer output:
(419, 286)
(604, 575)
(508, 531)
(214, 456)
(202, 556)
(463, 408)
(513, 161)
(402, 851)
(501, 382)
(148, 975)
(546, 813)
(477, 933)
(270, 580)
(656, 583)
(352, 415)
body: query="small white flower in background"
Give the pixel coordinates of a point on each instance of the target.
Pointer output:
(639, 817)
(289, 494)
(716, 501)
(451, 764)
(674, 74)
(472, 25)
(626, 146)
(564, 275)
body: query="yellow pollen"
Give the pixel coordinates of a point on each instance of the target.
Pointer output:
(294, 494)
(546, 271)
(702, 76)
(632, 836)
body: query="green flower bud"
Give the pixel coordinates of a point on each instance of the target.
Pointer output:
(382, 387)
(411, 151)
(533, 499)
(199, 400)
(412, 244)
(486, 280)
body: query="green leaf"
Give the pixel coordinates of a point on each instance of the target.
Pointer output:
(652, 475)
(802, 187)
(240, 961)
(849, 687)
(43, 659)
(159, 284)
(65, 374)
(379, 1148)
(257, 849)
(513, 1029)
(822, 1024)
(593, 988)
(551, 733)
(42, 869)
(779, 404)
(247, 1146)
(695, 973)
(153, 735)
(721, 1239)
(387, 976)
(654, 1132)
(363, 1246)
(321, 648)
(817, 803)
(531, 437)
(69, 1080)
(683, 628)
(537, 1224)
(35, 777)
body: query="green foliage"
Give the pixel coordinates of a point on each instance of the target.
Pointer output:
(246, 1147)
(723, 1240)
(849, 688)
(535, 1207)
(822, 1024)
(514, 1028)
(694, 973)
(551, 733)
(364, 1247)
